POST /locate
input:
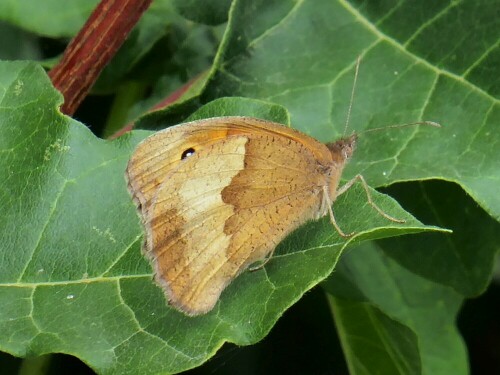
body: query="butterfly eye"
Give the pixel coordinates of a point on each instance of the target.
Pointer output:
(187, 153)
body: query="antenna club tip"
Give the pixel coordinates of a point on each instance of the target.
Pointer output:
(433, 123)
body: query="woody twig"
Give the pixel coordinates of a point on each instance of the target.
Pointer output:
(93, 47)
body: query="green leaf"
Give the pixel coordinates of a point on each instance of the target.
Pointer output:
(374, 341)
(17, 44)
(463, 260)
(394, 315)
(46, 18)
(211, 13)
(243, 107)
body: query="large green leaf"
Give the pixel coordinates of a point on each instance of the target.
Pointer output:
(47, 18)
(462, 260)
(395, 321)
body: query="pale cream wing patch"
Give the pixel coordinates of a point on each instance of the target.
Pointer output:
(185, 224)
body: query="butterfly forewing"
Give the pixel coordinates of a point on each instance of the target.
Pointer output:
(211, 212)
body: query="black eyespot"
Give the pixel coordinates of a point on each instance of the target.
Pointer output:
(187, 153)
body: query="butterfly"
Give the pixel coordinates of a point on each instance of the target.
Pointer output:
(219, 194)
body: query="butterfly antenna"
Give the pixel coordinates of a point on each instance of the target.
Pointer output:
(428, 123)
(349, 110)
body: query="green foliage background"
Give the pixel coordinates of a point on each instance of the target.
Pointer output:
(72, 279)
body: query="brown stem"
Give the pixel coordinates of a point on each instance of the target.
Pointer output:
(93, 47)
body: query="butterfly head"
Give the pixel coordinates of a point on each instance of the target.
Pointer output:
(343, 149)
(340, 152)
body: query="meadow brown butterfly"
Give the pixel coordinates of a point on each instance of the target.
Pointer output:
(217, 195)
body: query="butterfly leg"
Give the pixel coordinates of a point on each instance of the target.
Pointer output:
(349, 184)
(328, 204)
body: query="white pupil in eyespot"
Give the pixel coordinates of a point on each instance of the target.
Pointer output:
(187, 153)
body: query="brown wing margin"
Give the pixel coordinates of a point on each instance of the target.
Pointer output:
(235, 125)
